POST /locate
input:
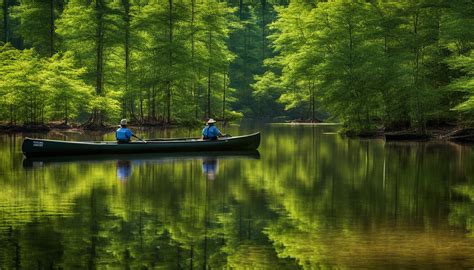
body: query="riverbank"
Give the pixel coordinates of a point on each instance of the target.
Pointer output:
(76, 127)
(454, 133)
(448, 133)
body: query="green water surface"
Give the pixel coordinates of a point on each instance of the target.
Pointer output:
(309, 199)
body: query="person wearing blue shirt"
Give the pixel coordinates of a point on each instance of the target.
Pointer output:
(211, 132)
(123, 134)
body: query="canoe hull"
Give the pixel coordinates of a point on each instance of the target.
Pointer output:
(39, 147)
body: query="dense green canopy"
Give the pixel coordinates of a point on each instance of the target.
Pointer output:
(373, 64)
(368, 64)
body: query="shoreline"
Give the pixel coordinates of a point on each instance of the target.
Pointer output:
(45, 128)
(458, 134)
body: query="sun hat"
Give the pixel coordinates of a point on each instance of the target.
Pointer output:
(211, 121)
(123, 122)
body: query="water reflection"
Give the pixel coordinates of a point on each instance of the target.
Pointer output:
(147, 158)
(318, 201)
(124, 170)
(210, 168)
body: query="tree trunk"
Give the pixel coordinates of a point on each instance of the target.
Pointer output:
(148, 92)
(11, 115)
(208, 114)
(126, 7)
(264, 4)
(170, 63)
(97, 117)
(240, 8)
(209, 77)
(141, 106)
(100, 47)
(223, 99)
(66, 110)
(193, 51)
(311, 101)
(416, 77)
(153, 102)
(51, 28)
(5, 21)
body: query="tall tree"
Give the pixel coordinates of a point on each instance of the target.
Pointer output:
(458, 38)
(92, 44)
(37, 24)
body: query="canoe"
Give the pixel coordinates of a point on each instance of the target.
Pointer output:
(40, 147)
(141, 158)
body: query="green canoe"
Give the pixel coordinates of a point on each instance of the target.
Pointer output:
(39, 147)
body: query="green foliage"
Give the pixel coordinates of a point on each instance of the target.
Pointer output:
(459, 40)
(67, 92)
(21, 92)
(372, 65)
(35, 90)
(37, 23)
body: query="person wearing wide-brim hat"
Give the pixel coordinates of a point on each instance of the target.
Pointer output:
(211, 132)
(123, 134)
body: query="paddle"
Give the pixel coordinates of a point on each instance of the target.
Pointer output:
(139, 138)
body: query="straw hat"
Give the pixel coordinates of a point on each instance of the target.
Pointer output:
(211, 121)
(123, 122)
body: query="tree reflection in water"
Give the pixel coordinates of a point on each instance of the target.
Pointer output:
(316, 201)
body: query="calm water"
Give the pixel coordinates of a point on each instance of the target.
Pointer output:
(310, 199)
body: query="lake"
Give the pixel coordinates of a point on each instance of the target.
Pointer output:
(308, 199)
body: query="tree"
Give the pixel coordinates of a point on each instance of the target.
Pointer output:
(67, 92)
(37, 24)
(459, 40)
(22, 92)
(93, 44)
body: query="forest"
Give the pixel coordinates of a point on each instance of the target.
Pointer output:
(367, 64)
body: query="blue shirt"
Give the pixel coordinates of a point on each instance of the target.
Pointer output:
(210, 132)
(123, 134)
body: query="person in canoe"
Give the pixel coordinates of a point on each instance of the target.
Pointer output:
(211, 132)
(123, 134)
